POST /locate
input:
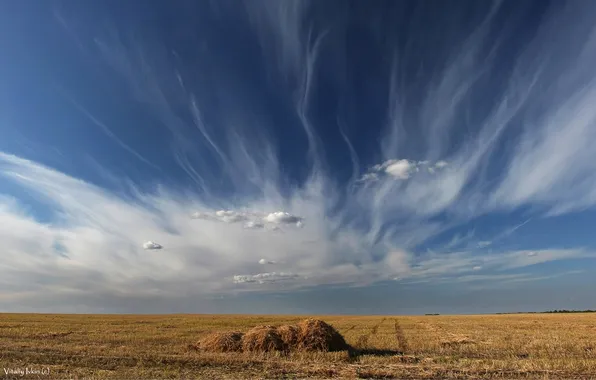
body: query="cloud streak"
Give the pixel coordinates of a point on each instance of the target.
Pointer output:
(99, 234)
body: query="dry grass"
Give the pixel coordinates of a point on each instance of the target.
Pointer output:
(534, 346)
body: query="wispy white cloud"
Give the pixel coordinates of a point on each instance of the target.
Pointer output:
(458, 240)
(457, 263)
(108, 132)
(263, 278)
(100, 251)
(492, 281)
(484, 244)
(102, 234)
(553, 164)
(252, 219)
(254, 225)
(456, 171)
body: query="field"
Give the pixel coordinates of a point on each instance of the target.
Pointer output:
(532, 346)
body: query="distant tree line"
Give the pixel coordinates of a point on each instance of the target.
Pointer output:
(571, 311)
(552, 312)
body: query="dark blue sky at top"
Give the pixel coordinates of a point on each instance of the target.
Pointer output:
(212, 46)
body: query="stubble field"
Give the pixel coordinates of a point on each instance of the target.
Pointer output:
(530, 346)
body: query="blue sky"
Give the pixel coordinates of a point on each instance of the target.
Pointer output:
(297, 156)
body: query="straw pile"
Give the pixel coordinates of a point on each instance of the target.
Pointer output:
(316, 335)
(308, 335)
(222, 342)
(289, 336)
(262, 339)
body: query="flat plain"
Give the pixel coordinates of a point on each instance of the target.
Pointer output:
(529, 346)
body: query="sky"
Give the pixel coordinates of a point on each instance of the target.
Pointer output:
(297, 156)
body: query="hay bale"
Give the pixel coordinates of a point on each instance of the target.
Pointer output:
(262, 339)
(316, 335)
(289, 335)
(229, 341)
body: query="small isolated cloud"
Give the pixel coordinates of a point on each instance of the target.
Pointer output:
(369, 177)
(483, 244)
(263, 262)
(477, 268)
(281, 217)
(226, 216)
(151, 245)
(263, 278)
(400, 169)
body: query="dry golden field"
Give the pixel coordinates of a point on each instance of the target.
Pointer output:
(531, 346)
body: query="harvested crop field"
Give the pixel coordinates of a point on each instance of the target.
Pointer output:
(529, 346)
